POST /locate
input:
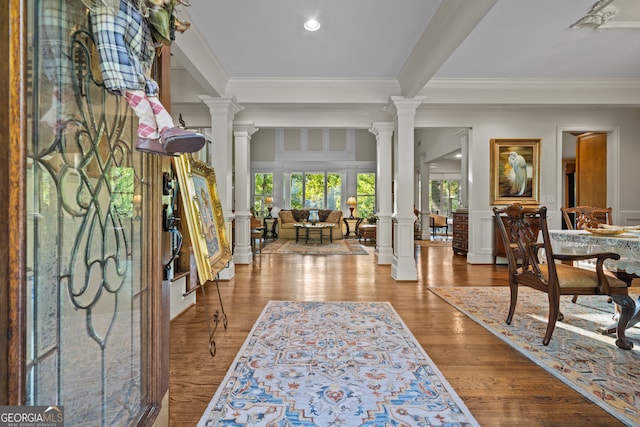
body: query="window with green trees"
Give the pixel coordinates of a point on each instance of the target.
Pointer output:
(444, 196)
(263, 188)
(366, 195)
(321, 190)
(121, 180)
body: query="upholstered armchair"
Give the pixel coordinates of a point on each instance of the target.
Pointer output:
(528, 266)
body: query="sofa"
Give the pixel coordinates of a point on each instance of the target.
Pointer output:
(287, 219)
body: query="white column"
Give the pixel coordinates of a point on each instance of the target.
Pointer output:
(242, 132)
(222, 111)
(383, 132)
(424, 208)
(463, 136)
(403, 266)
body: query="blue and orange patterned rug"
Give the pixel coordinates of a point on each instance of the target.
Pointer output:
(337, 247)
(578, 355)
(333, 364)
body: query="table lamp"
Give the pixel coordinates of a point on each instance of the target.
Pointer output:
(269, 200)
(137, 202)
(351, 202)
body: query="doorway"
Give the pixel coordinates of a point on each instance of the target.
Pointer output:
(588, 160)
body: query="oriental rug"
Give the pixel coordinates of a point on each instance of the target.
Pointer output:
(333, 364)
(441, 243)
(337, 247)
(578, 355)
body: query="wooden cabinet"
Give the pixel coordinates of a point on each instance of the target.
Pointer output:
(460, 241)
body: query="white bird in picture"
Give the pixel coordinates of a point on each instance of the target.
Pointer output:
(518, 173)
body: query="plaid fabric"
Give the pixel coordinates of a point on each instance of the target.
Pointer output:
(125, 48)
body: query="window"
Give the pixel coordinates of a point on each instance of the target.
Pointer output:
(121, 183)
(366, 195)
(296, 191)
(314, 190)
(321, 190)
(334, 191)
(444, 196)
(263, 188)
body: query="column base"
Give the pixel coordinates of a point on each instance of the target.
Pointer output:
(404, 269)
(383, 255)
(243, 255)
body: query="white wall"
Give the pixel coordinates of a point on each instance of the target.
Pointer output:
(546, 123)
(486, 122)
(435, 143)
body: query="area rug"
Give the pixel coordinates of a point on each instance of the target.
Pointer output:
(338, 247)
(445, 243)
(333, 364)
(580, 357)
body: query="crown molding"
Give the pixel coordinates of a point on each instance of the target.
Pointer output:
(313, 91)
(619, 92)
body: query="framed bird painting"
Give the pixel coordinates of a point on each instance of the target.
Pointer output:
(515, 171)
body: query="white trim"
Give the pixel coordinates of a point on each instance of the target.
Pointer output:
(613, 165)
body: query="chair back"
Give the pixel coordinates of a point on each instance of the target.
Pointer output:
(524, 231)
(586, 217)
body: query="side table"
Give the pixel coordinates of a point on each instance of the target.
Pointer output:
(352, 226)
(270, 227)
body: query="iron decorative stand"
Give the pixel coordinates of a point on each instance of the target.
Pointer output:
(214, 319)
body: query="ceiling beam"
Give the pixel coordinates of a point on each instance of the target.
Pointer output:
(191, 52)
(451, 24)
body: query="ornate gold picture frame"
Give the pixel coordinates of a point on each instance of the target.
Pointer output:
(204, 216)
(515, 171)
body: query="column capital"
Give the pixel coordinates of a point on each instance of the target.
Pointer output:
(382, 129)
(244, 129)
(224, 105)
(399, 105)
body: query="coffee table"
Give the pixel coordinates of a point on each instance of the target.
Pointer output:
(309, 228)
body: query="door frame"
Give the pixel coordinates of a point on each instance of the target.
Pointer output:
(613, 163)
(13, 137)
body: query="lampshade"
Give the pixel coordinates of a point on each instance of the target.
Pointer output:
(351, 201)
(268, 200)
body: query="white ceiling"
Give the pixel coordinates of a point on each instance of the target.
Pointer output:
(407, 41)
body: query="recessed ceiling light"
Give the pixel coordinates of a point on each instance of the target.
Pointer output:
(312, 25)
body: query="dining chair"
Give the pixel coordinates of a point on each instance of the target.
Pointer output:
(528, 266)
(585, 217)
(580, 217)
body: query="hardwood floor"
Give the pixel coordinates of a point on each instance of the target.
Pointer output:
(499, 385)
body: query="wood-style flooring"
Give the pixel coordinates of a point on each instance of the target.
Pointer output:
(499, 385)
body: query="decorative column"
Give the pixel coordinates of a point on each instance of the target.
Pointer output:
(463, 136)
(403, 266)
(242, 132)
(383, 132)
(425, 233)
(222, 111)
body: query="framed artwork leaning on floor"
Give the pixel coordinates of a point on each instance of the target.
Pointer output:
(205, 220)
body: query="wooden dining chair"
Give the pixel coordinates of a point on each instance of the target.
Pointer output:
(580, 217)
(585, 217)
(528, 266)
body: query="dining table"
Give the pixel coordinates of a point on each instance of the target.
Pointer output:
(626, 244)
